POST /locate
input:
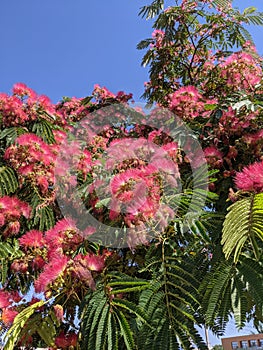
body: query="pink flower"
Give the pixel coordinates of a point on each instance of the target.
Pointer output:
(94, 262)
(42, 183)
(241, 71)
(102, 93)
(123, 183)
(59, 312)
(63, 237)
(81, 271)
(15, 296)
(4, 299)
(38, 263)
(251, 178)
(21, 89)
(32, 239)
(88, 231)
(187, 102)
(8, 316)
(213, 156)
(25, 209)
(51, 272)
(12, 229)
(12, 111)
(253, 138)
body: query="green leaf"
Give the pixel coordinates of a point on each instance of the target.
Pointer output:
(152, 10)
(242, 225)
(125, 330)
(47, 331)
(103, 203)
(44, 129)
(102, 328)
(8, 181)
(249, 10)
(12, 336)
(132, 308)
(11, 134)
(112, 333)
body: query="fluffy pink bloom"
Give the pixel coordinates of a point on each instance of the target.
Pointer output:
(38, 263)
(241, 71)
(251, 178)
(102, 93)
(85, 163)
(123, 183)
(8, 203)
(8, 316)
(33, 239)
(115, 208)
(253, 138)
(12, 111)
(21, 89)
(81, 271)
(143, 205)
(12, 228)
(11, 209)
(25, 139)
(51, 272)
(187, 102)
(158, 36)
(171, 148)
(88, 231)
(4, 299)
(63, 237)
(213, 156)
(94, 262)
(43, 183)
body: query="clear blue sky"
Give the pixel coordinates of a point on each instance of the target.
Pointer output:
(64, 47)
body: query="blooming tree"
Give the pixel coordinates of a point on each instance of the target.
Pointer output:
(122, 227)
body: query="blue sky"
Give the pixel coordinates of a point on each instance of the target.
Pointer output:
(64, 47)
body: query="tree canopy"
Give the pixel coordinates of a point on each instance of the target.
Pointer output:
(125, 227)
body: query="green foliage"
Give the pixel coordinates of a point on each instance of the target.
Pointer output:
(152, 10)
(243, 224)
(171, 302)
(9, 135)
(43, 218)
(44, 326)
(9, 250)
(201, 268)
(217, 347)
(174, 61)
(232, 289)
(160, 313)
(8, 181)
(43, 129)
(12, 336)
(106, 317)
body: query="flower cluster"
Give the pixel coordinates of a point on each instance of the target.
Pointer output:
(243, 68)
(25, 106)
(251, 178)
(50, 255)
(7, 305)
(11, 211)
(33, 160)
(188, 103)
